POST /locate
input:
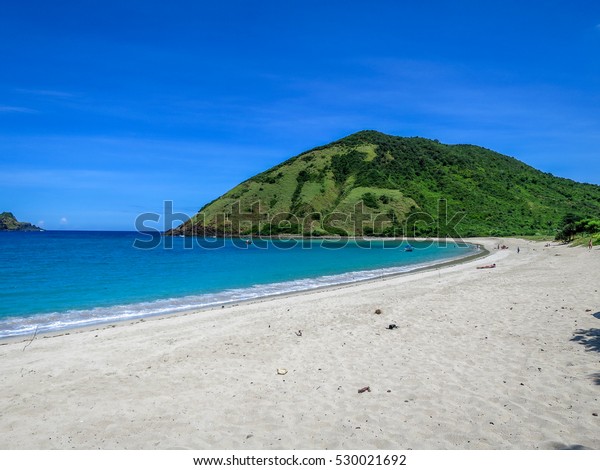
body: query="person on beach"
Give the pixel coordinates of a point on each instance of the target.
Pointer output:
(590, 244)
(489, 266)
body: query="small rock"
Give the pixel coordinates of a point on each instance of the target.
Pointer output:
(594, 414)
(282, 371)
(378, 311)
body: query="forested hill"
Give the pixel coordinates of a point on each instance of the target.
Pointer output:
(371, 183)
(9, 223)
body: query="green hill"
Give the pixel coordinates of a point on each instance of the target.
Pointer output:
(371, 183)
(9, 223)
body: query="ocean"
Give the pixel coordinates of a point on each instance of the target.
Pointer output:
(61, 279)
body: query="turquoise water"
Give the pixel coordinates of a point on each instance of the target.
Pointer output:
(54, 280)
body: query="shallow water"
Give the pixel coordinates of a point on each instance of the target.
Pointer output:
(54, 280)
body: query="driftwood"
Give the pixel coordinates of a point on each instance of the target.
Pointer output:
(34, 335)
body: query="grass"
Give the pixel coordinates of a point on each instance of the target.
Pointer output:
(498, 195)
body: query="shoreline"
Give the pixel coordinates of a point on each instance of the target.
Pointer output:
(502, 358)
(100, 324)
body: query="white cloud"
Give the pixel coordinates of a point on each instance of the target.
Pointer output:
(49, 93)
(41, 223)
(63, 221)
(16, 109)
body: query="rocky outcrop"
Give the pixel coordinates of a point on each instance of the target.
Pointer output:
(9, 223)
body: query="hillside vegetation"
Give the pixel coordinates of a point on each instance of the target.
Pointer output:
(579, 230)
(9, 223)
(371, 183)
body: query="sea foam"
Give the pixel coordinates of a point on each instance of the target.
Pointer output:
(55, 321)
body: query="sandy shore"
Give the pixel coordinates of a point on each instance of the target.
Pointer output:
(504, 358)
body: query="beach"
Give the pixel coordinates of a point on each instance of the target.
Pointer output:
(500, 358)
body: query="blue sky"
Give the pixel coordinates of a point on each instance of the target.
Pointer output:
(108, 108)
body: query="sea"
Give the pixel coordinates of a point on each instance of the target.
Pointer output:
(54, 280)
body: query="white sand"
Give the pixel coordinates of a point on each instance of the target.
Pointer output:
(482, 359)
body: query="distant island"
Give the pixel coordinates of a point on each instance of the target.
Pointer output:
(375, 184)
(9, 223)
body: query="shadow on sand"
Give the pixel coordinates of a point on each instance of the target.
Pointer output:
(591, 340)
